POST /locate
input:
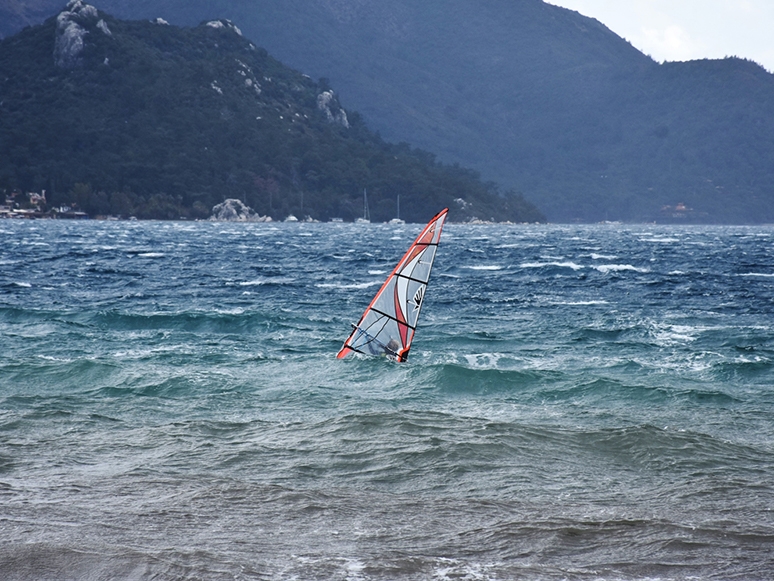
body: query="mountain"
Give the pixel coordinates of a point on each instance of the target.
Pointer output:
(16, 14)
(533, 96)
(158, 121)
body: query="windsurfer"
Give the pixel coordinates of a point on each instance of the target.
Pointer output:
(392, 347)
(378, 348)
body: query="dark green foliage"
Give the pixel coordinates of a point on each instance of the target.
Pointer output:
(164, 122)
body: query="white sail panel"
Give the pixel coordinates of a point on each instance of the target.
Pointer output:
(388, 325)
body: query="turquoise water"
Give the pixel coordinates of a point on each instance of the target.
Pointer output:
(581, 402)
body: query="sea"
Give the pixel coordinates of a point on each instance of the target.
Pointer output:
(581, 402)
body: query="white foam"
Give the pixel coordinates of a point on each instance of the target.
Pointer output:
(606, 268)
(354, 569)
(485, 267)
(263, 281)
(151, 255)
(448, 569)
(483, 360)
(674, 335)
(55, 359)
(571, 265)
(360, 285)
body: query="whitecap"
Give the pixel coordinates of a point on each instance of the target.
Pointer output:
(485, 267)
(571, 265)
(151, 255)
(263, 281)
(360, 285)
(483, 360)
(23, 284)
(55, 359)
(606, 268)
(667, 336)
(354, 568)
(233, 311)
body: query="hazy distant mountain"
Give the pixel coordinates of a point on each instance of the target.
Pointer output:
(143, 118)
(16, 14)
(534, 96)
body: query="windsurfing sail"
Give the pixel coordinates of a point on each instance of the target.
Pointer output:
(388, 325)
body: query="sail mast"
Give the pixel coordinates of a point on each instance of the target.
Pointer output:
(366, 219)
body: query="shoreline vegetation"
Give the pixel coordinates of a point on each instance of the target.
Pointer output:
(231, 210)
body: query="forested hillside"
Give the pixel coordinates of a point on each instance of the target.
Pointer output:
(147, 119)
(538, 98)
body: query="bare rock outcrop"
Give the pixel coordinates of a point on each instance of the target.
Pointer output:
(233, 210)
(71, 31)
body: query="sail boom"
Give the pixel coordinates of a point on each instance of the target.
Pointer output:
(392, 318)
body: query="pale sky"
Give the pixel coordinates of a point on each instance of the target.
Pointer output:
(679, 30)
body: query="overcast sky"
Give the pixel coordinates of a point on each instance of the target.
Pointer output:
(678, 30)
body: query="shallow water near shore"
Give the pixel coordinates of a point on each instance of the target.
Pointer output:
(581, 402)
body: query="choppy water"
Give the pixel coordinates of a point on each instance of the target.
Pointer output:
(589, 402)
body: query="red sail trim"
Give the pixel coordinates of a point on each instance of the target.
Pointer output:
(344, 352)
(402, 323)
